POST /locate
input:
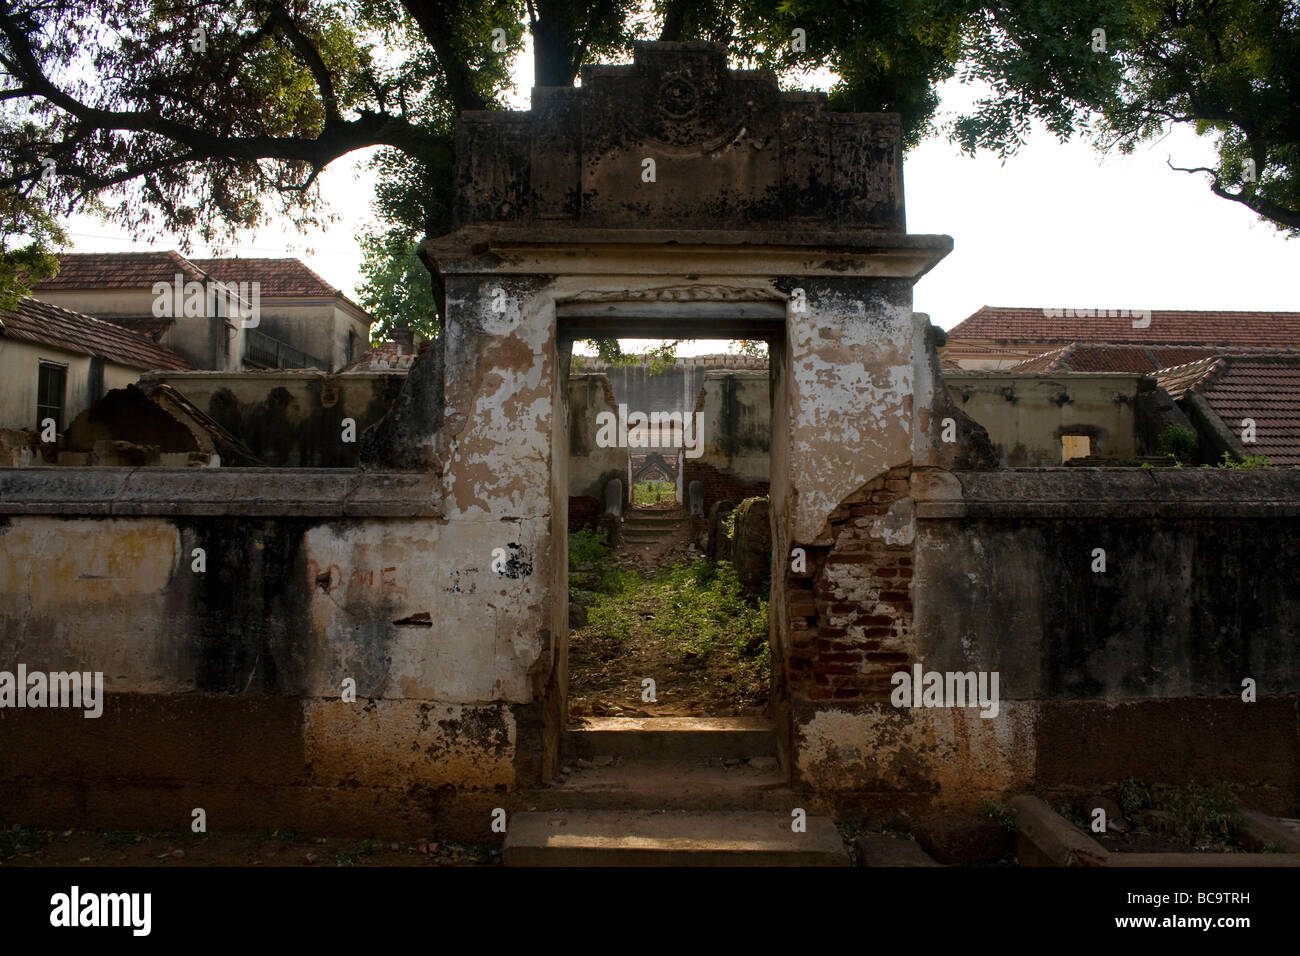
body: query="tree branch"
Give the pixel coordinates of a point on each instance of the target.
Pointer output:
(1251, 200)
(337, 137)
(437, 29)
(307, 50)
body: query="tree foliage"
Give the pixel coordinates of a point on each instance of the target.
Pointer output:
(29, 240)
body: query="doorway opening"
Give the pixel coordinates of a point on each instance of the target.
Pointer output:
(668, 523)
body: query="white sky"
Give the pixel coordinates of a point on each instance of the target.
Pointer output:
(1057, 225)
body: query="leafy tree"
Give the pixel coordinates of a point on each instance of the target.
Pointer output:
(396, 288)
(205, 116)
(29, 238)
(1230, 69)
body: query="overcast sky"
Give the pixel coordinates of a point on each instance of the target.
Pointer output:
(1057, 225)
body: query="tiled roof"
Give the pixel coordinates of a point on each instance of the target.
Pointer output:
(119, 270)
(140, 270)
(274, 276)
(1181, 327)
(967, 349)
(1266, 390)
(36, 321)
(1179, 379)
(1084, 357)
(1047, 362)
(151, 327)
(1262, 387)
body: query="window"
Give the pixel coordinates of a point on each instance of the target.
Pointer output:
(1075, 446)
(51, 383)
(352, 346)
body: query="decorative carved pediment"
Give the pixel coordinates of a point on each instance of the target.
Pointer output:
(678, 140)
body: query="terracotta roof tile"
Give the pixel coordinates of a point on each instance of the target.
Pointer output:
(1179, 379)
(1266, 390)
(1047, 362)
(151, 327)
(1085, 357)
(140, 270)
(1168, 326)
(119, 270)
(275, 276)
(36, 321)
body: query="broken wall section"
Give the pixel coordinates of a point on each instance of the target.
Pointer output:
(1101, 674)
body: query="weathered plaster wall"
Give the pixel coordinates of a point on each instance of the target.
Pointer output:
(1026, 414)
(851, 399)
(319, 328)
(21, 364)
(444, 653)
(737, 421)
(291, 419)
(589, 465)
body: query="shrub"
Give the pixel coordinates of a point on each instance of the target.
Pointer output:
(1178, 441)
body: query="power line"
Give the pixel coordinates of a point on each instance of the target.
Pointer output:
(297, 252)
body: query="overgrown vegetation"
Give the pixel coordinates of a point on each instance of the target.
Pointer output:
(586, 547)
(1178, 441)
(689, 623)
(1196, 815)
(697, 606)
(653, 492)
(1133, 796)
(1249, 463)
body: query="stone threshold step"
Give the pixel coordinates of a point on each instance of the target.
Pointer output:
(630, 783)
(671, 737)
(641, 838)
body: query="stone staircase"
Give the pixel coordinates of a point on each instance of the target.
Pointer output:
(643, 526)
(669, 791)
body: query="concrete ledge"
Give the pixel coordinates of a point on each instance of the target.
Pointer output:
(251, 492)
(877, 849)
(1260, 830)
(1045, 838)
(1121, 493)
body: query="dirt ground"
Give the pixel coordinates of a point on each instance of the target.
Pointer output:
(25, 846)
(605, 681)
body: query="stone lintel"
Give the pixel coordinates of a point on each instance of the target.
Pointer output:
(690, 252)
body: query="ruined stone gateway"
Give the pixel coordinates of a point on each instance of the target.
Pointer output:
(668, 197)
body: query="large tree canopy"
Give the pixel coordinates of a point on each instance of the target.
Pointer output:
(205, 117)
